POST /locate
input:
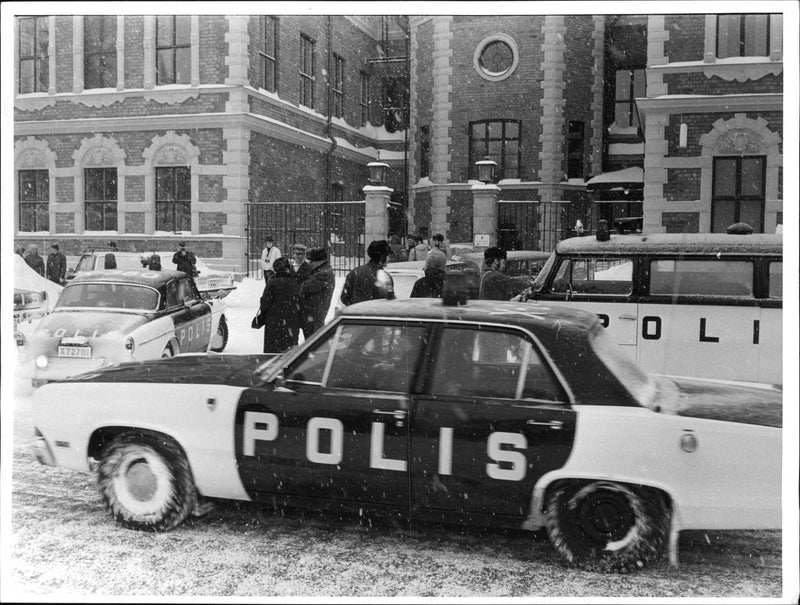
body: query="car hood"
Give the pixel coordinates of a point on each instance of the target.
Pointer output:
(90, 324)
(729, 402)
(232, 370)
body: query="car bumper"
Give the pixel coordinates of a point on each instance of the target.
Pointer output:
(63, 367)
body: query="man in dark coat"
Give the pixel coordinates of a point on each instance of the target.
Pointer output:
(56, 265)
(316, 292)
(280, 308)
(369, 281)
(495, 285)
(301, 266)
(430, 286)
(185, 260)
(33, 259)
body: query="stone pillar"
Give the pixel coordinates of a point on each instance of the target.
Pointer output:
(484, 221)
(376, 214)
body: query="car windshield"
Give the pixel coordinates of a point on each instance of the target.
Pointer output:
(538, 283)
(116, 296)
(639, 383)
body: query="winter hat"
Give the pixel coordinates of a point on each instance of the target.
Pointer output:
(299, 248)
(282, 266)
(436, 260)
(182, 244)
(493, 253)
(317, 254)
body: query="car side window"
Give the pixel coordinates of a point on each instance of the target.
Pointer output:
(702, 277)
(186, 291)
(600, 276)
(173, 298)
(496, 364)
(776, 280)
(376, 357)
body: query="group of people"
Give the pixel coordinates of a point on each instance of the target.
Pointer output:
(54, 269)
(297, 294)
(416, 248)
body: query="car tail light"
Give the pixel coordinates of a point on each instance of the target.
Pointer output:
(130, 345)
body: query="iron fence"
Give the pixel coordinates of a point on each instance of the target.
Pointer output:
(536, 226)
(336, 226)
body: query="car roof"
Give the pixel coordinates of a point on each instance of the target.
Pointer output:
(672, 243)
(512, 255)
(543, 320)
(129, 276)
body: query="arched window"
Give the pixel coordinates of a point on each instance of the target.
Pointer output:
(174, 161)
(34, 162)
(98, 161)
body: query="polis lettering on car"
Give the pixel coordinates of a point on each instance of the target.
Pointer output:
(264, 426)
(651, 329)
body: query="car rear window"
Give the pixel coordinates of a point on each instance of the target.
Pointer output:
(114, 296)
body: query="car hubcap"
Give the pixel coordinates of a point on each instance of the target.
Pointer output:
(142, 483)
(606, 517)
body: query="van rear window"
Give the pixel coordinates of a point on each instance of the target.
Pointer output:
(776, 280)
(701, 277)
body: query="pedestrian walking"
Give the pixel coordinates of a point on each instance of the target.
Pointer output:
(496, 285)
(185, 260)
(369, 281)
(56, 265)
(300, 265)
(420, 249)
(269, 255)
(316, 292)
(280, 308)
(33, 259)
(431, 285)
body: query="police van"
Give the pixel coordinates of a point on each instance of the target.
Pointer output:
(705, 305)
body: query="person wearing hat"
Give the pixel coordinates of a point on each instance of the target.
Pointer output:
(56, 265)
(280, 308)
(269, 255)
(33, 259)
(430, 286)
(316, 292)
(185, 260)
(496, 285)
(369, 281)
(300, 266)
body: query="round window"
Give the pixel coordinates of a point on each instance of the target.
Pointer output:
(496, 57)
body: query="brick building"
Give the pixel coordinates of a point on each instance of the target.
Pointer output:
(151, 129)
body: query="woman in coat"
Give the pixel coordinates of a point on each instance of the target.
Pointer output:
(280, 308)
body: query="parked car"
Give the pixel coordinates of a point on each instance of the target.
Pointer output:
(34, 297)
(405, 273)
(498, 414)
(210, 282)
(106, 317)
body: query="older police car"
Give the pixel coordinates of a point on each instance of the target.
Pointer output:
(106, 317)
(513, 415)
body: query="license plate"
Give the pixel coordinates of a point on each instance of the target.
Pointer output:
(66, 351)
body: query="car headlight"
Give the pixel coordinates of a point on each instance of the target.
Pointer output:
(41, 362)
(20, 338)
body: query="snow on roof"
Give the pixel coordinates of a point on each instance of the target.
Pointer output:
(626, 175)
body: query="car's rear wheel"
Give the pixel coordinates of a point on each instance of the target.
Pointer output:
(220, 339)
(145, 481)
(609, 527)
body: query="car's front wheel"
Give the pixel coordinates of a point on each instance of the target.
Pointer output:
(145, 481)
(220, 339)
(608, 527)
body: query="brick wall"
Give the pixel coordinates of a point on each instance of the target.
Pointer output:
(212, 222)
(686, 37)
(696, 83)
(682, 184)
(460, 216)
(422, 211)
(134, 51)
(281, 172)
(698, 124)
(63, 54)
(578, 95)
(65, 189)
(134, 189)
(134, 222)
(213, 49)
(211, 188)
(423, 83)
(681, 222)
(65, 222)
(516, 97)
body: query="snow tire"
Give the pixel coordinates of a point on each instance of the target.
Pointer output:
(607, 527)
(145, 481)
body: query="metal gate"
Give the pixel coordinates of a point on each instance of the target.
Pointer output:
(336, 226)
(517, 225)
(538, 226)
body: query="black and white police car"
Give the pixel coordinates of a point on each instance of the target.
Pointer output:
(511, 415)
(112, 316)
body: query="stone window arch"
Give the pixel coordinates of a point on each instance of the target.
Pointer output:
(169, 206)
(34, 165)
(99, 184)
(743, 139)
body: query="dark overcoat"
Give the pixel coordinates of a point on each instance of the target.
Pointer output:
(280, 308)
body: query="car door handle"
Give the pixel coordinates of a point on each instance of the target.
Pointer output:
(628, 317)
(399, 414)
(556, 425)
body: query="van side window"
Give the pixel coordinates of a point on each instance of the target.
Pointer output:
(776, 280)
(701, 277)
(603, 276)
